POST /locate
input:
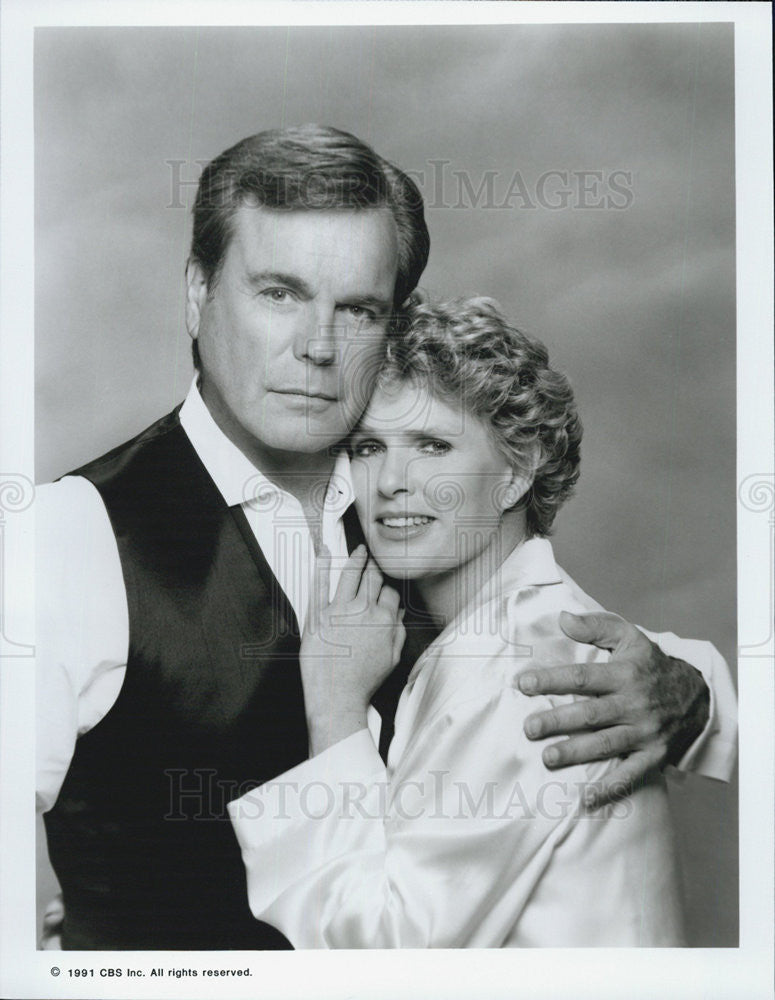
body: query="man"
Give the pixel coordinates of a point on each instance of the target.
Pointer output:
(175, 570)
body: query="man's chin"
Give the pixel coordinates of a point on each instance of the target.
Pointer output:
(308, 445)
(302, 437)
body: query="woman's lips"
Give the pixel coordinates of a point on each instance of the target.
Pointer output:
(398, 527)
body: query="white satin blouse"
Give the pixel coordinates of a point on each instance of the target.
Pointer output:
(465, 839)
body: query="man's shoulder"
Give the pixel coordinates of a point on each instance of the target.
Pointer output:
(74, 499)
(71, 526)
(67, 498)
(98, 467)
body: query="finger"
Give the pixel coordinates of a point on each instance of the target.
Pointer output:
(389, 599)
(622, 780)
(350, 579)
(601, 745)
(600, 629)
(570, 678)
(399, 637)
(318, 598)
(371, 583)
(589, 713)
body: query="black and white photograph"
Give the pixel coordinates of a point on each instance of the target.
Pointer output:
(389, 545)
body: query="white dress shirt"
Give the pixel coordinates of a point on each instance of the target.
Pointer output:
(464, 839)
(82, 619)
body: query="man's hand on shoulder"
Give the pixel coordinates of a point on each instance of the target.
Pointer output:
(641, 704)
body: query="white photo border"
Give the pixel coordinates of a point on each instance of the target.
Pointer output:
(744, 971)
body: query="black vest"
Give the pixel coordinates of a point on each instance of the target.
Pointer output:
(211, 706)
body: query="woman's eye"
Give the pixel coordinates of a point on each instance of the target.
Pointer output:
(278, 295)
(363, 449)
(435, 447)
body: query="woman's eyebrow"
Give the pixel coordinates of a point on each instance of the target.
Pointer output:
(412, 432)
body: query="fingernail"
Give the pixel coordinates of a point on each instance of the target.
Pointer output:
(532, 729)
(528, 683)
(551, 755)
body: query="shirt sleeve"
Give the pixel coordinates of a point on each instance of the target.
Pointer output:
(714, 752)
(82, 626)
(445, 852)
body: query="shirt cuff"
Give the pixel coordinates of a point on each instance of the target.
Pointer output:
(712, 759)
(296, 822)
(351, 760)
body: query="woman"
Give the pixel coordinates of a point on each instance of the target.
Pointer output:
(467, 449)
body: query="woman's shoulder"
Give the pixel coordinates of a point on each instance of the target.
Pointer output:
(481, 657)
(464, 692)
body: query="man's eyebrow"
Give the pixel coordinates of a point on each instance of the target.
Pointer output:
(369, 302)
(297, 284)
(292, 281)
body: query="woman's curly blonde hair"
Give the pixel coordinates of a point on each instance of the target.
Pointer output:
(465, 351)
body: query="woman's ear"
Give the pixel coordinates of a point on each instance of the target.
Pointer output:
(521, 479)
(515, 489)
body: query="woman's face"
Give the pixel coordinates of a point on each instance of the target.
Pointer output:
(429, 482)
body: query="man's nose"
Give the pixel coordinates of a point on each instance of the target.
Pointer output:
(394, 473)
(318, 338)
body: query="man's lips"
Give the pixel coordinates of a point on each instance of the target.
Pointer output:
(306, 393)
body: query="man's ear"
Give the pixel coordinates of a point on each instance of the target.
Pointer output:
(196, 296)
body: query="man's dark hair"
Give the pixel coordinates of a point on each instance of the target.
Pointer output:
(309, 167)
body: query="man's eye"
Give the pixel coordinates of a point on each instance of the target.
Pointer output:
(361, 312)
(276, 294)
(364, 449)
(435, 447)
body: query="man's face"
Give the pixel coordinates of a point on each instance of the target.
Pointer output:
(293, 334)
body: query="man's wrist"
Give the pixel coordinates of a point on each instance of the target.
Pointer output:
(697, 694)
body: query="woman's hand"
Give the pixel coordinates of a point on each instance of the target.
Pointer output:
(349, 647)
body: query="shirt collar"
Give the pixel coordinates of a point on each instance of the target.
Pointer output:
(531, 564)
(234, 475)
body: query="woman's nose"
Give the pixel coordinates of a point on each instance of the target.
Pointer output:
(394, 475)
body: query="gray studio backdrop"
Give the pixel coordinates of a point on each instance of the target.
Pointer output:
(582, 175)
